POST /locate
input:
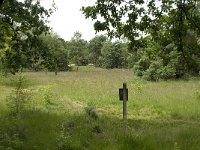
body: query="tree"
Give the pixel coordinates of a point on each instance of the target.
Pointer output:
(167, 21)
(21, 25)
(77, 49)
(56, 57)
(94, 49)
(130, 18)
(113, 55)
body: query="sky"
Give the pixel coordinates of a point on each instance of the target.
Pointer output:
(68, 19)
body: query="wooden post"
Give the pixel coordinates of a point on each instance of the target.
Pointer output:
(124, 107)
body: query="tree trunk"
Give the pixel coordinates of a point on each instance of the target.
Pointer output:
(180, 33)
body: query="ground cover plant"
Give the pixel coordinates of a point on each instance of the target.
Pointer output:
(81, 110)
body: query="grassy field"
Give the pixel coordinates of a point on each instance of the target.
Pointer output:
(81, 110)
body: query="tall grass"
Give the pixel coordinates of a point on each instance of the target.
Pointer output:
(81, 110)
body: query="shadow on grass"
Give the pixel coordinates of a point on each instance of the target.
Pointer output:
(39, 130)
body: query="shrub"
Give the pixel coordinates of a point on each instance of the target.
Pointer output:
(159, 68)
(90, 110)
(153, 72)
(49, 99)
(168, 72)
(141, 66)
(44, 99)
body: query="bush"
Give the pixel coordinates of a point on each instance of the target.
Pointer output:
(44, 99)
(153, 72)
(141, 66)
(90, 110)
(159, 68)
(168, 72)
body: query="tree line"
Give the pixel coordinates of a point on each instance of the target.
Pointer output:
(27, 42)
(52, 53)
(159, 39)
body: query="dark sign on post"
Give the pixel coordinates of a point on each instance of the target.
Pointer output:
(121, 94)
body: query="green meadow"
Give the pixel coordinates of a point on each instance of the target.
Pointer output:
(80, 110)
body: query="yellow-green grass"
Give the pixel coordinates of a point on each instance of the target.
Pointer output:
(161, 115)
(167, 98)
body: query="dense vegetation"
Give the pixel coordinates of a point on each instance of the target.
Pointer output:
(163, 35)
(160, 40)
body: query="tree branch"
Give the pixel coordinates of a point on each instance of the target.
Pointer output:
(191, 19)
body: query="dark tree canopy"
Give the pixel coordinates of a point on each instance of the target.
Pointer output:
(167, 22)
(131, 18)
(21, 23)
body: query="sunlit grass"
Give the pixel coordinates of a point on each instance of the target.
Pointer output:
(167, 98)
(161, 115)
